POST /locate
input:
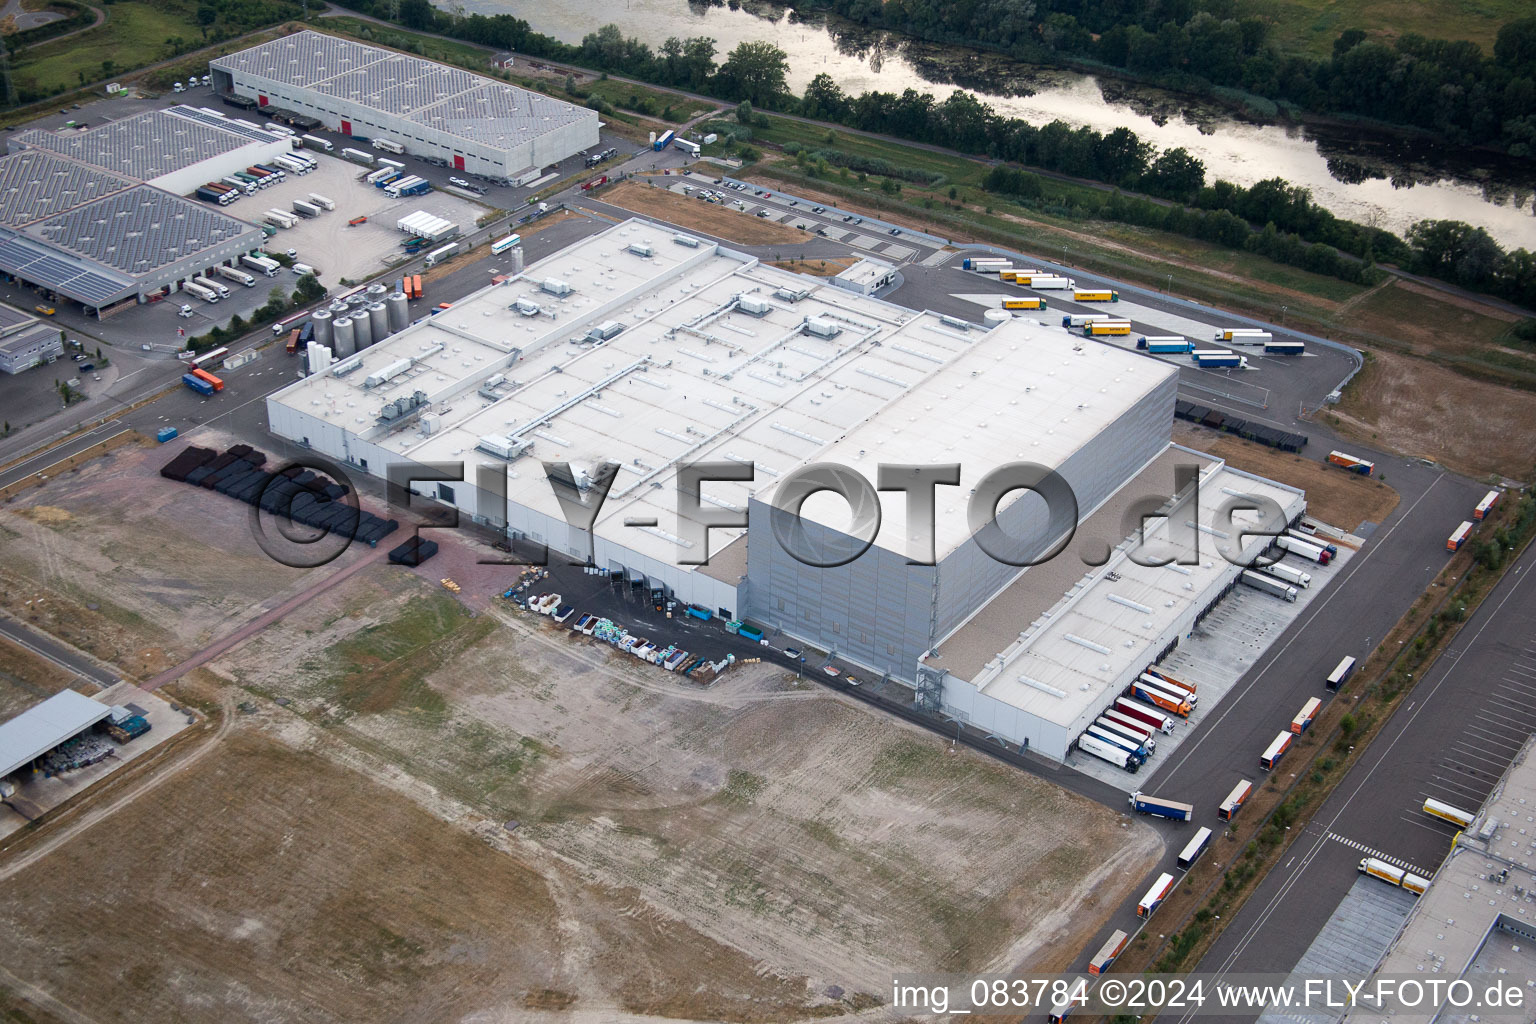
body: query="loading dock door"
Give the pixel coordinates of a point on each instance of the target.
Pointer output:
(346, 127)
(261, 100)
(458, 162)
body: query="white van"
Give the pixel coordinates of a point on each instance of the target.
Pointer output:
(304, 268)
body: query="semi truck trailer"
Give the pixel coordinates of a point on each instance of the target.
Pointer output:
(1269, 585)
(1303, 549)
(1295, 577)
(1215, 358)
(1141, 713)
(1108, 752)
(238, 276)
(1166, 345)
(1176, 810)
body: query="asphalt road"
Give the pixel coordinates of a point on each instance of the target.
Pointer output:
(1452, 739)
(46, 647)
(1376, 587)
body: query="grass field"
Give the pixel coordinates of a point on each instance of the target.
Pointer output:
(1311, 26)
(713, 218)
(133, 35)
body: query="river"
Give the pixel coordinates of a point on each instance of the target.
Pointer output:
(1344, 176)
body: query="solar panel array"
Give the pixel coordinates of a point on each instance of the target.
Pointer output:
(11, 318)
(32, 261)
(247, 131)
(35, 184)
(149, 144)
(140, 230)
(451, 100)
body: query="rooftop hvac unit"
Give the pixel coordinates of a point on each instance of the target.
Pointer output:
(605, 330)
(791, 294)
(688, 240)
(402, 407)
(507, 448)
(754, 305)
(640, 249)
(822, 327)
(555, 286)
(526, 308)
(387, 374)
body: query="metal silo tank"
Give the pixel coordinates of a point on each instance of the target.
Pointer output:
(362, 330)
(345, 338)
(378, 319)
(321, 318)
(398, 310)
(376, 293)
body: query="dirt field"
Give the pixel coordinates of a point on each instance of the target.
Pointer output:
(1439, 322)
(713, 218)
(25, 679)
(818, 268)
(752, 852)
(1333, 496)
(1425, 410)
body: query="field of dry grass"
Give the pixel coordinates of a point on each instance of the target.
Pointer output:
(1425, 410)
(429, 808)
(1334, 497)
(715, 219)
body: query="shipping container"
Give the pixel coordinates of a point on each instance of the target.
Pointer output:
(1235, 800)
(1304, 718)
(1195, 847)
(202, 387)
(203, 375)
(1275, 751)
(1459, 537)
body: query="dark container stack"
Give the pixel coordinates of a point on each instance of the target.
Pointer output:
(295, 493)
(414, 551)
(1218, 420)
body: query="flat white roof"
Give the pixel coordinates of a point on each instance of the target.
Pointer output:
(867, 271)
(1064, 662)
(41, 728)
(695, 375)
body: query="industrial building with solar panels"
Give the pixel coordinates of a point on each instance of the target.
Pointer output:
(472, 123)
(644, 350)
(94, 216)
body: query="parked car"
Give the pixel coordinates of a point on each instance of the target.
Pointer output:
(459, 182)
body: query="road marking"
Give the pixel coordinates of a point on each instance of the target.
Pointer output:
(1379, 855)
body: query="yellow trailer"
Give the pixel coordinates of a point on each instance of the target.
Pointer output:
(1096, 295)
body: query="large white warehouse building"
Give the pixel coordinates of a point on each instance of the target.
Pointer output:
(652, 351)
(476, 124)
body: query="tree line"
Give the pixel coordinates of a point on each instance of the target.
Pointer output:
(1449, 87)
(1272, 217)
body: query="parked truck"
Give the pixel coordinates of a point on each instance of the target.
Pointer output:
(437, 256)
(1285, 348)
(1303, 549)
(305, 209)
(1141, 713)
(1155, 896)
(1166, 345)
(1217, 358)
(1161, 698)
(208, 195)
(1295, 577)
(1106, 751)
(1114, 739)
(1243, 335)
(1082, 319)
(1269, 585)
(314, 142)
(388, 146)
(268, 267)
(1095, 295)
(282, 217)
(238, 276)
(1105, 328)
(1315, 541)
(202, 387)
(221, 290)
(322, 202)
(691, 148)
(1140, 734)
(1051, 283)
(1107, 953)
(1174, 809)
(1351, 463)
(664, 140)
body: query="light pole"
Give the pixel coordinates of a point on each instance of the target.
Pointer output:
(1170, 285)
(1282, 314)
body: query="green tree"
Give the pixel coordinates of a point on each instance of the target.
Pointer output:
(744, 113)
(756, 70)
(309, 289)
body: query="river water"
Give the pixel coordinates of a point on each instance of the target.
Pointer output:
(1416, 186)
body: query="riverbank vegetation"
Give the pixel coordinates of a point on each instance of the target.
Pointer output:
(1271, 216)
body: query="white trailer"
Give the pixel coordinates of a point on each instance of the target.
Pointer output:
(322, 202)
(1277, 588)
(1108, 752)
(388, 146)
(268, 267)
(1051, 283)
(282, 218)
(1106, 724)
(314, 142)
(231, 274)
(374, 176)
(1138, 728)
(1302, 549)
(1295, 577)
(358, 156)
(209, 283)
(437, 256)
(234, 182)
(304, 209)
(197, 291)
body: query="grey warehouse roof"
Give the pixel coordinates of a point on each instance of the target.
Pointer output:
(39, 729)
(147, 145)
(450, 100)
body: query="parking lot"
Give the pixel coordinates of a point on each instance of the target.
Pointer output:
(1214, 658)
